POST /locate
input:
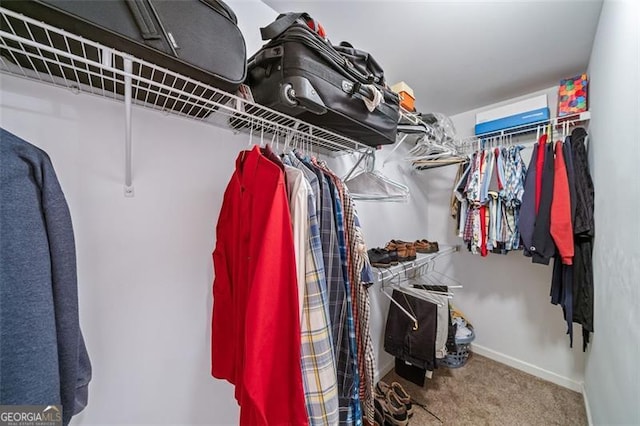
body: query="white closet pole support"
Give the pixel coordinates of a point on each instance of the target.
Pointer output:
(128, 69)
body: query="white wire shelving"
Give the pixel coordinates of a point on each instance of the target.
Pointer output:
(35, 50)
(407, 268)
(403, 276)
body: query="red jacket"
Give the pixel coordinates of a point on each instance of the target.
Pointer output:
(255, 342)
(561, 226)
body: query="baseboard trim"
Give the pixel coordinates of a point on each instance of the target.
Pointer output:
(528, 368)
(383, 371)
(586, 405)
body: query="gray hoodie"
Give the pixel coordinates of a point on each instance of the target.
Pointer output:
(43, 358)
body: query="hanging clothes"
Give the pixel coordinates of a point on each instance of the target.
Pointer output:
(255, 341)
(545, 208)
(542, 247)
(337, 300)
(358, 270)
(402, 339)
(561, 226)
(355, 411)
(44, 357)
(584, 231)
(491, 191)
(527, 211)
(297, 192)
(322, 268)
(319, 372)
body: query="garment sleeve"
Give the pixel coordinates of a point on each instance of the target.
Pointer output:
(223, 319)
(561, 227)
(73, 360)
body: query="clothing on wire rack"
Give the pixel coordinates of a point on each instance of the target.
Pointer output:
(256, 321)
(547, 209)
(318, 360)
(403, 339)
(572, 280)
(314, 293)
(556, 188)
(489, 192)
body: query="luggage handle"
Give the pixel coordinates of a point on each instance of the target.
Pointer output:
(278, 26)
(143, 19)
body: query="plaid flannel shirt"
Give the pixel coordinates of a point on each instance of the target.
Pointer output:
(342, 244)
(359, 266)
(337, 302)
(318, 362)
(317, 357)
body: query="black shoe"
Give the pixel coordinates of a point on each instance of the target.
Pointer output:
(379, 258)
(393, 256)
(378, 415)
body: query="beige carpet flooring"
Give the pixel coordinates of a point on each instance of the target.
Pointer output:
(485, 392)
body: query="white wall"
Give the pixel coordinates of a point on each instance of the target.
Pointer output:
(612, 374)
(144, 263)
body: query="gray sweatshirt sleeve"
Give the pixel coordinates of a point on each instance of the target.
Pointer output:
(73, 360)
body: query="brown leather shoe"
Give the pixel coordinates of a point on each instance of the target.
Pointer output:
(400, 248)
(410, 249)
(424, 246)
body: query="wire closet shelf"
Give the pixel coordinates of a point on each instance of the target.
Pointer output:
(38, 51)
(408, 268)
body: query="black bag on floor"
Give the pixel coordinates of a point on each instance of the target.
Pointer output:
(301, 74)
(195, 38)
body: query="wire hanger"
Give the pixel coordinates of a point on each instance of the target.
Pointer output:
(396, 282)
(366, 183)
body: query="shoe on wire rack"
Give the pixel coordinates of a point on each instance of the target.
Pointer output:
(406, 251)
(425, 246)
(379, 258)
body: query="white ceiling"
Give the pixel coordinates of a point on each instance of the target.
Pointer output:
(458, 56)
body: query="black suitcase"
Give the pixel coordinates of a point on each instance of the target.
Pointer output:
(199, 39)
(301, 74)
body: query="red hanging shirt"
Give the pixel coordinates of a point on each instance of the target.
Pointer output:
(561, 226)
(255, 339)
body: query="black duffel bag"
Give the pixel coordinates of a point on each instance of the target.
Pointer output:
(199, 39)
(300, 73)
